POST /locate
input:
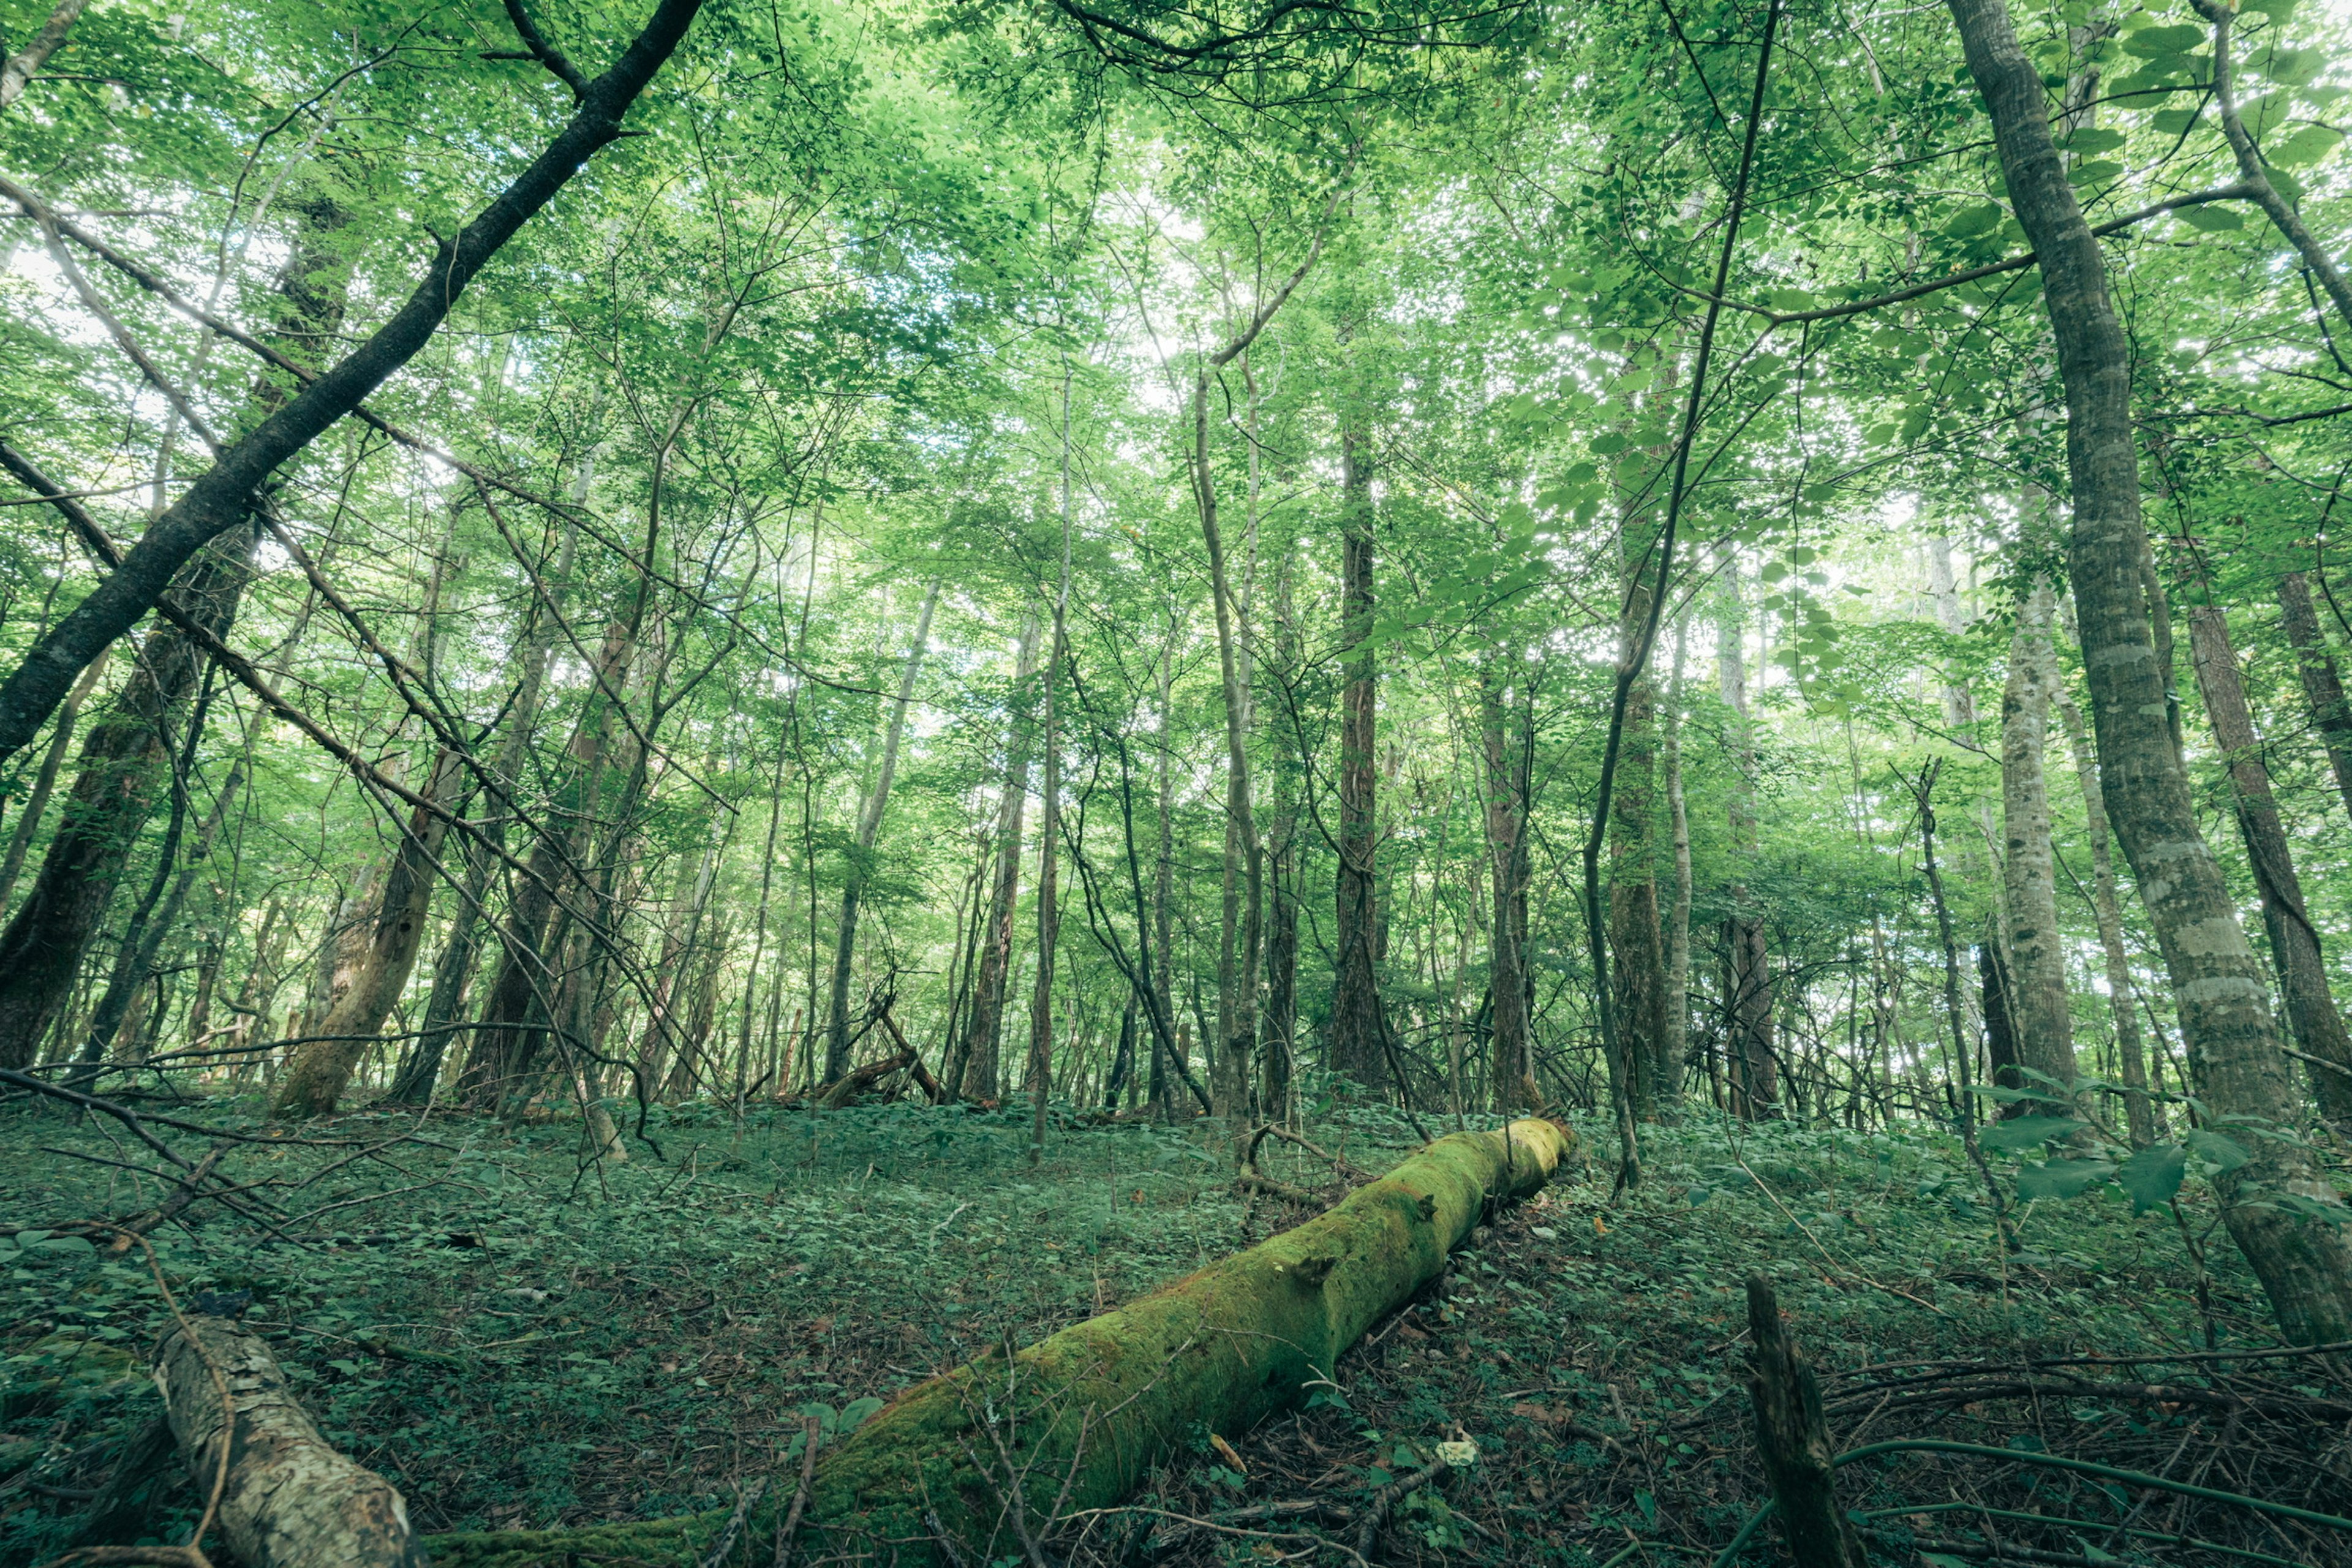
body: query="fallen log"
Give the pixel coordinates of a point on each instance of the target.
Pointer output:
(976, 1464)
(288, 1499)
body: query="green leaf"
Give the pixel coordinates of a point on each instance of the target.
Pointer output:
(853, 1414)
(2062, 1178)
(2097, 139)
(1976, 220)
(2151, 1176)
(2302, 147)
(2213, 219)
(2151, 42)
(2173, 121)
(2027, 1131)
(2212, 1148)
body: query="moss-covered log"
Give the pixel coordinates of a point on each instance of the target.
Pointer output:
(994, 1451)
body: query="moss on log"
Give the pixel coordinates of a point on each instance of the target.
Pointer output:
(990, 1452)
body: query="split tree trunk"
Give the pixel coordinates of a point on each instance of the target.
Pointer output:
(2041, 1022)
(2304, 1264)
(2311, 1011)
(321, 1068)
(973, 1073)
(869, 827)
(1079, 1421)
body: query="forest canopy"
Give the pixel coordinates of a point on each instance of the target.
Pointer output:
(1712, 570)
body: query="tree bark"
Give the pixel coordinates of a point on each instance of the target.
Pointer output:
(1356, 1044)
(321, 1069)
(2304, 1264)
(869, 827)
(2107, 906)
(2322, 687)
(1635, 938)
(2040, 1018)
(2310, 1010)
(220, 500)
(1755, 1086)
(974, 1074)
(1674, 1041)
(45, 782)
(1509, 1082)
(289, 1501)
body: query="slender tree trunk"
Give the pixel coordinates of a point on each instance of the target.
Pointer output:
(1635, 938)
(1755, 1082)
(1357, 1045)
(144, 937)
(983, 1028)
(1509, 1081)
(869, 827)
(2107, 906)
(320, 1070)
(2040, 1018)
(1049, 830)
(1237, 973)
(2322, 687)
(1163, 889)
(44, 781)
(2303, 1263)
(2311, 1011)
(1674, 1041)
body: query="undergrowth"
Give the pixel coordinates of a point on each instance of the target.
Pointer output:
(516, 1341)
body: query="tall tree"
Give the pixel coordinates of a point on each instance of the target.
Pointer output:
(2305, 1263)
(869, 826)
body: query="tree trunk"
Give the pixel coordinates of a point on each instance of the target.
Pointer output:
(290, 1500)
(2303, 1263)
(1509, 1082)
(977, 1056)
(1755, 1082)
(2107, 907)
(2311, 1011)
(2322, 687)
(2040, 1018)
(45, 782)
(1674, 1041)
(869, 827)
(1356, 1044)
(1635, 940)
(134, 964)
(520, 1004)
(321, 1068)
(1049, 830)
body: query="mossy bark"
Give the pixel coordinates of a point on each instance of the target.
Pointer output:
(987, 1452)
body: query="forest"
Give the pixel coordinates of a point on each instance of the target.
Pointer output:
(1105, 783)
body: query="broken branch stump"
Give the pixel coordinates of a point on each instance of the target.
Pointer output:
(1793, 1440)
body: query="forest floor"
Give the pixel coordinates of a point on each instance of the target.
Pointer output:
(517, 1343)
